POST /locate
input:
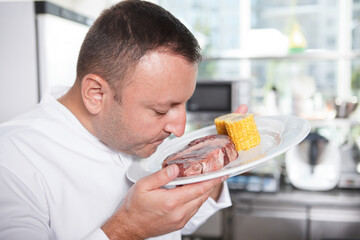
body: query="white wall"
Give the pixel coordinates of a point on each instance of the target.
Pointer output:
(18, 71)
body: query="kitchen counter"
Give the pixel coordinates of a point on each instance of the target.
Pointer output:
(287, 214)
(293, 214)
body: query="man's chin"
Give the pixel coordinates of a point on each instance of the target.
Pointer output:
(146, 153)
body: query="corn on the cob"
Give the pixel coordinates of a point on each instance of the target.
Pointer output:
(220, 123)
(241, 128)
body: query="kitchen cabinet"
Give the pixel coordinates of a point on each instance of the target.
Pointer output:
(294, 214)
(271, 221)
(288, 214)
(334, 222)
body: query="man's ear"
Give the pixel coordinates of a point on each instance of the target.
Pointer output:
(94, 90)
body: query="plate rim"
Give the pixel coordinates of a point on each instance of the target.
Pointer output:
(239, 169)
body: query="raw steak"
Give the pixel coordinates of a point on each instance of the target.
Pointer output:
(202, 155)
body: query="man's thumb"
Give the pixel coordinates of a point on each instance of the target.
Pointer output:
(161, 177)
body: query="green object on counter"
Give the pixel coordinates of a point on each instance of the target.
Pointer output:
(296, 50)
(297, 41)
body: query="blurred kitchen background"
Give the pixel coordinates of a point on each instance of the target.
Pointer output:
(280, 57)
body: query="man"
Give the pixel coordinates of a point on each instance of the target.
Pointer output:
(62, 165)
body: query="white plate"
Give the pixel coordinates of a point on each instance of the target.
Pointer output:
(278, 134)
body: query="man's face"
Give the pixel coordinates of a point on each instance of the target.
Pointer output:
(152, 105)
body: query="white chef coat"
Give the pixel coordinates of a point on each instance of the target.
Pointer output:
(58, 181)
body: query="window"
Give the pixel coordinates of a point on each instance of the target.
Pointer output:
(355, 76)
(224, 27)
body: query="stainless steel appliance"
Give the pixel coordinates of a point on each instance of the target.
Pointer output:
(350, 166)
(216, 97)
(314, 164)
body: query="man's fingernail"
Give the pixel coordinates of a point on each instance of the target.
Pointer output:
(170, 170)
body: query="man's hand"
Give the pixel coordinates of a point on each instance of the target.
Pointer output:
(149, 210)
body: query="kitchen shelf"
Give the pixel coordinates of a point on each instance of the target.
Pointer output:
(336, 122)
(309, 54)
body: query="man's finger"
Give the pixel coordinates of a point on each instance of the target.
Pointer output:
(196, 190)
(242, 109)
(160, 178)
(192, 206)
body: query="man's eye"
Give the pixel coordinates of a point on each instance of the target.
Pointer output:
(161, 113)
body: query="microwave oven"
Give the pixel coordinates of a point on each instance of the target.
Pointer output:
(213, 98)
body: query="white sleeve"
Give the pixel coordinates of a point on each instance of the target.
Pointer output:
(98, 234)
(21, 216)
(208, 209)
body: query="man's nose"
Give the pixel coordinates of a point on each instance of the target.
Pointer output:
(177, 121)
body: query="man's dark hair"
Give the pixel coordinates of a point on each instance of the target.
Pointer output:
(126, 32)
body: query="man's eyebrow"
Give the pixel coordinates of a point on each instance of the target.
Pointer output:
(167, 104)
